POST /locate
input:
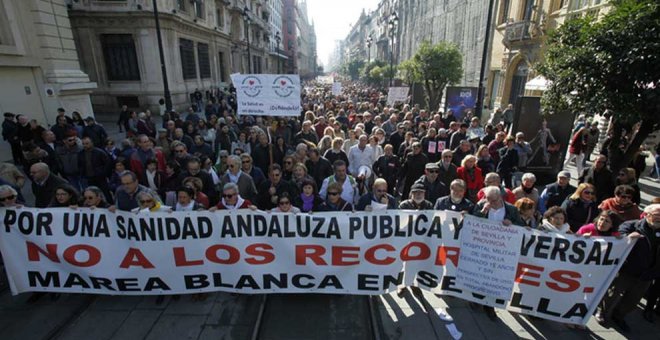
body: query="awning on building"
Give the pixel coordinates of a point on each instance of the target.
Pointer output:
(537, 84)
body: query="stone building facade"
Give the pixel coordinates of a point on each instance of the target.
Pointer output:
(39, 68)
(204, 41)
(521, 28)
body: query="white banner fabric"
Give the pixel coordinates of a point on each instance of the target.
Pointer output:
(558, 277)
(267, 94)
(397, 94)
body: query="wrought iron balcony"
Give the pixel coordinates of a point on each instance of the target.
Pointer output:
(520, 32)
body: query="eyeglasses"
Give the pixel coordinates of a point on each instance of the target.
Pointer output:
(625, 196)
(145, 201)
(2, 199)
(246, 162)
(228, 195)
(179, 151)
(433, 171)
(587, 192)
(333, 193)
(276, 174)
(446, 157)
(284, 203)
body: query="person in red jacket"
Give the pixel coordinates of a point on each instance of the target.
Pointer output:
(622, 203)
(577, 149)
(494, 179)
(471, 174)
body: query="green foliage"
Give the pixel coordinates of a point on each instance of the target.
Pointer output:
(610, 64)
(371, 77)
(435, 66)
(352, 68)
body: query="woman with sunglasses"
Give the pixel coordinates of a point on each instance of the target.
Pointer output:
(285, 205)
(628, 176)
(333, 201)
(8, 197)
(622, 203)
(148, 203)
(93, 198)
(581, 206)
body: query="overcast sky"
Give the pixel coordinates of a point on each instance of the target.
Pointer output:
(332, 20)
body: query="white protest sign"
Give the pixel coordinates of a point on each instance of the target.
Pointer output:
(336, 88)
(397, 94)
(489, 253)
(267, 94)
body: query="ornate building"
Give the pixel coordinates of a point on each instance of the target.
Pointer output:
(521, 28)
(39, 68)
(204, 41)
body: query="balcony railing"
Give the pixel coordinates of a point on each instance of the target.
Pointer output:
(518, 31)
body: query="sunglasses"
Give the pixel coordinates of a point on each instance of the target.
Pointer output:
(625, 196)
(146, 201)
(2, 199)
(333, 193)
(228, 196)
(433, 171)
(246, 162)
(588, 192)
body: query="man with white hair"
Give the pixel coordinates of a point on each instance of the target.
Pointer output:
(637, 273)
(494, 208)
(246, 187)
(527, 189)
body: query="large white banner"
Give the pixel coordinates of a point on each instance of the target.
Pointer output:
(558, 277)
(267, 94)
(397, 94)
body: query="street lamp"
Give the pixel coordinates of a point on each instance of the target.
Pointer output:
(370, 40)
(246, 20)
(484, 60)
(278, 39)
(393, 24)
(163, 68)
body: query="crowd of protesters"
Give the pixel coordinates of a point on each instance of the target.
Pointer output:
(345, 153)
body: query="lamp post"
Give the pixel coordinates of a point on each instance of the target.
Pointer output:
(393, 24)
(484, 60)
(278, 39)
(163, 68)
(370, 41)
(246, 20)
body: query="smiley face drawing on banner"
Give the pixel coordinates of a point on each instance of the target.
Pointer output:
(283, 86)
(251, 86)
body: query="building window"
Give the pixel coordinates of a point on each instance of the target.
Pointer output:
(181, 5)
(221, 59)
(504, 12)
(220, 16)
(203, 58)
(120, 57)
(187, 50)
(198, 5)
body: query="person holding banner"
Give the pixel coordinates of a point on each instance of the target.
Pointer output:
(8, 196)
(93, 198)
(232, 200)
(554, 220)
(65, 196)
(378, 199)
(149, 202)
(185, 200)
(637, 273)
(334, 201)
(606, 224)
(416, 200)
(456, 200)
(494, 208)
